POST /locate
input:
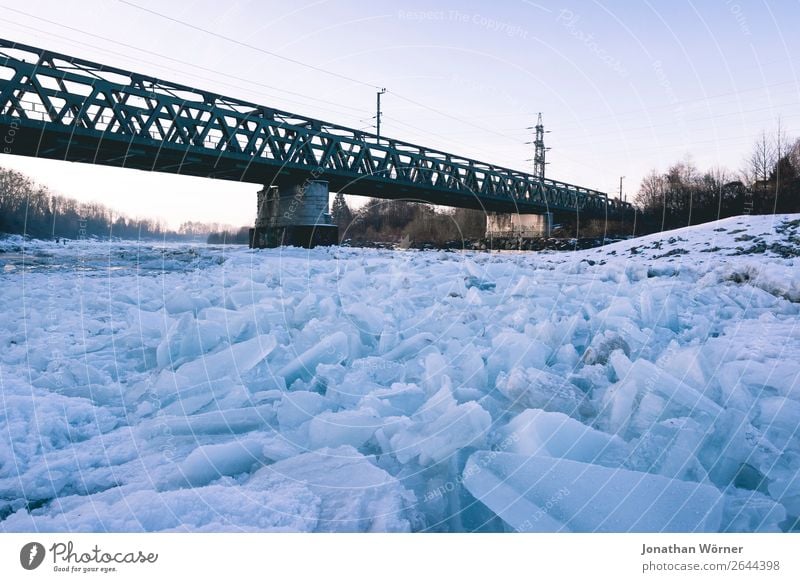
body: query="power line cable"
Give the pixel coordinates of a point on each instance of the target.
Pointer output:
(160, 55)
(249, 46)
(310, 66)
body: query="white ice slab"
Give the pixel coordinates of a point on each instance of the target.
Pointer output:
(540, 494)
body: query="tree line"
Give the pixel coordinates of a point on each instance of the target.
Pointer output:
(398, 220)
(684, 195)
(30, 209)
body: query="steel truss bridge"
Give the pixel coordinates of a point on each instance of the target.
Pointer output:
(66, 108)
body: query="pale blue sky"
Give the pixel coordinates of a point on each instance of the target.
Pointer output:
(624, 86)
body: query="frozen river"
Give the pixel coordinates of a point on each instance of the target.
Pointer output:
(649, 385)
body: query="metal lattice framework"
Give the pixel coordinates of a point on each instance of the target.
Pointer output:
(61, 107)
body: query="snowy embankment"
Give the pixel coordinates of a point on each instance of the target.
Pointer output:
(650, 385)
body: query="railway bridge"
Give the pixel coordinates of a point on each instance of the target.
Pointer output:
(67, 108)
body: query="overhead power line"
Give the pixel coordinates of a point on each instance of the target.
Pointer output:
(159, 55)
(313, 67)
(249, 46)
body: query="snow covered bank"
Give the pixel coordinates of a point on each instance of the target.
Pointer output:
(649, 385)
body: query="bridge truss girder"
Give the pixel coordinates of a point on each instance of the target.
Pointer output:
(60, 107)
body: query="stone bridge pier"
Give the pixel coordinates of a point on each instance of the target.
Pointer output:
(519, 225)
(294, 215)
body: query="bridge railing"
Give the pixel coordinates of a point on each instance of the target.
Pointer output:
(61, 91)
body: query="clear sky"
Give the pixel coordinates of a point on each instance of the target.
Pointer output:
(624, 86)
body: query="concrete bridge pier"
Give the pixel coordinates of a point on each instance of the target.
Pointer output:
(521, 225)
(294, 215)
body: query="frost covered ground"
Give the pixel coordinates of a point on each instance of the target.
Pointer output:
(650, 385)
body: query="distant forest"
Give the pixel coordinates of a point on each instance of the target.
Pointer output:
(768, 183)
(31, 209)
(396, 220)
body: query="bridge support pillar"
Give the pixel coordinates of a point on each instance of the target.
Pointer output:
(294, 215)
(520, 225)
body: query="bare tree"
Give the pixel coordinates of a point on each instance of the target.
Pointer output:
(762, 160)
(782, 147)
(713, 189)
(650, 196)
(794, 154)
